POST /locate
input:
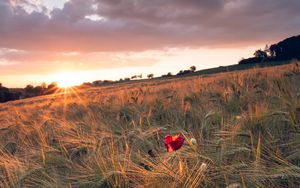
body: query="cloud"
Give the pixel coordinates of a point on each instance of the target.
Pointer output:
(93, 34)
(130, 25)
(14, 61)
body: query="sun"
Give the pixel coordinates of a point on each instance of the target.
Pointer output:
(66, 79)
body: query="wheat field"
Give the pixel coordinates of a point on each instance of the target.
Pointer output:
(241, 129)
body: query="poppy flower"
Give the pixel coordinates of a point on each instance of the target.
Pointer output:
(173, 143)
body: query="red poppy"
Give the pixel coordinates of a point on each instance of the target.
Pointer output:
(173, 143)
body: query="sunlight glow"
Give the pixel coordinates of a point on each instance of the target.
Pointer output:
(65, 79)
(173, 60)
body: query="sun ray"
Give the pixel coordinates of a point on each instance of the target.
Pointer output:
(66, 79)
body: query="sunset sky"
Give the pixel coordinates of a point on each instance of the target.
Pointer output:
(87, 40)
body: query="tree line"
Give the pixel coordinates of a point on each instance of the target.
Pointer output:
(7, 94)
(287, 49)
(139, 76)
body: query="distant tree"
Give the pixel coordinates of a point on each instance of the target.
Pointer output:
(260, 54)
(134, 77)
(126, 79)
(52, 88)
(140, 76)
(38, 90)
(183, 72)
(167, 75)
(52, 85)
(150, 76)
(5, 94)
(2, 90)
(86, 84)
(29, 89)
(273, 50)
(107, 81)
(267, 50)
(44, 86)
(97, 82)
(192, 68)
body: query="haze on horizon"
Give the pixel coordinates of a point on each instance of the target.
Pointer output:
(87, 40)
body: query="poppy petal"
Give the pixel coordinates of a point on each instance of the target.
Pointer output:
(173, 143)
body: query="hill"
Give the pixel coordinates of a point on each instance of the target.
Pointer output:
(285, 50)
(241, 128)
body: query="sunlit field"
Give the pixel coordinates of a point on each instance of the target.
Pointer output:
(240, 129)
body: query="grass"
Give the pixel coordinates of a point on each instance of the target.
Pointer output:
(245, 127)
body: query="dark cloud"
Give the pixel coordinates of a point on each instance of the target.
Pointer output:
(132, 25)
